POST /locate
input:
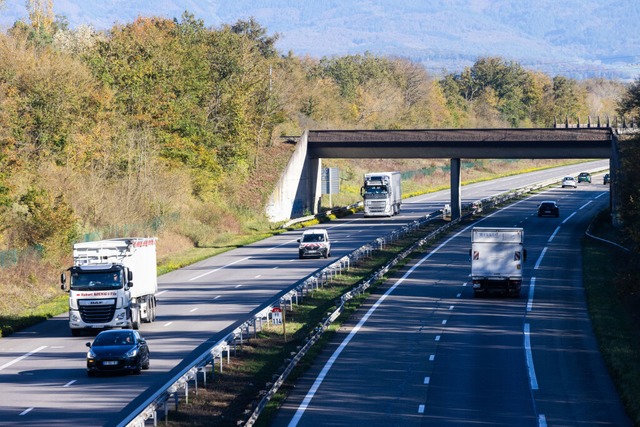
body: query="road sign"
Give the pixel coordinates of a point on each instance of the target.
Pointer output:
(276, 316)
(330, 181)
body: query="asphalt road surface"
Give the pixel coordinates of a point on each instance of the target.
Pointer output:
(42, 369)
(425, 352)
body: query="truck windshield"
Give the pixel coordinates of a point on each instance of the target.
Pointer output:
(83, 280)
(375, 189)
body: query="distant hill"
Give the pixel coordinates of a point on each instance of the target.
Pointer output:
(575, 38)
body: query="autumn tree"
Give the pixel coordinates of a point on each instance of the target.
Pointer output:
(629, 104)
(569, 99)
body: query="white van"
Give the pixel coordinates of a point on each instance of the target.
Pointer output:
(314, 242)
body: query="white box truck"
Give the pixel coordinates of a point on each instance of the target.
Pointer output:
(381, 194)
(112, 284)
(497, 255)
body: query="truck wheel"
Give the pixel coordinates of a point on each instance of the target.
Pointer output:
(152, 302)
(135, 319)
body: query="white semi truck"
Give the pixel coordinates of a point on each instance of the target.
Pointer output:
(112, 284)
(381, 193)
(497, 254)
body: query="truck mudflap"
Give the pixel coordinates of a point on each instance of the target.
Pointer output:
(508, 287)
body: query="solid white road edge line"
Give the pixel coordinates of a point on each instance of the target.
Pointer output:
(527, 349)
(532, 286)
(325, 370)
(535, 267)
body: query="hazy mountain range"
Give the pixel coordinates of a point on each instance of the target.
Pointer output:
(575, 38)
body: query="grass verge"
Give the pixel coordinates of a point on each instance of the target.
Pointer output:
(611, 279)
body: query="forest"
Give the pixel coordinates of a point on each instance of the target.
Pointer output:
(169, 128)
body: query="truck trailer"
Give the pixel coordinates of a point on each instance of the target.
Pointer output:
(381, 193)
(102, 293)
(497, 255)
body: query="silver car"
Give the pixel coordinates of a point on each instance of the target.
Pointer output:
(569, 181)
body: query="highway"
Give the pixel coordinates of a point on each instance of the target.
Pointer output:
(42, 369)
(424, 352)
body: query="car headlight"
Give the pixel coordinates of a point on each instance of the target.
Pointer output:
(132, 353)
(91, 354)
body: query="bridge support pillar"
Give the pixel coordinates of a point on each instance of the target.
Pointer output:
(456, 206)
(315, 185)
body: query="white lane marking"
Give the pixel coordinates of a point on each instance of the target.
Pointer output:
(193, 309)
(69, 383)
(219, 268)
(237, 286)
(542, 421)
(451, 307)
(323, 373)
(421, 409)
(16, 360)
(275, 268)
(544, 251)
(585, 205)
(437, 337)
(600, 195)
(432, 358)
(217, 296)
(532, 286)
(444, 322)
(458, 296)
(167, 324)
(426, 380)
(161, 292)
(464, 284)
(325, 370)
(553, 234)
(527, 349)
(26, 411)
(257, 276)
(569, 217)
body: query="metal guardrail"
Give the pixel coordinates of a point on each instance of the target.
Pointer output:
(167, 393)
(208, 354)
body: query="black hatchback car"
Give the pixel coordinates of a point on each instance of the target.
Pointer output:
(117, 350)
(548, 207)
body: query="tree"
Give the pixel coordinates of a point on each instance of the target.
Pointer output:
(256, 33)
(46, 221)
(568, 98)
(629, 104)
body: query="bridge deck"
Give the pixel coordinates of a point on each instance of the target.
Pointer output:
(535, 143)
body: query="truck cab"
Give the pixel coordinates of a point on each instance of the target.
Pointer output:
(101, 291)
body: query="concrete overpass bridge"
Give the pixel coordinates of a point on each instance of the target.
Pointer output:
(298, 191)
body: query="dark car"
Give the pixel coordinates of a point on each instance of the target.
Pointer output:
(607, 179)
(584, 177)
(548, 207)
(117, 350)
